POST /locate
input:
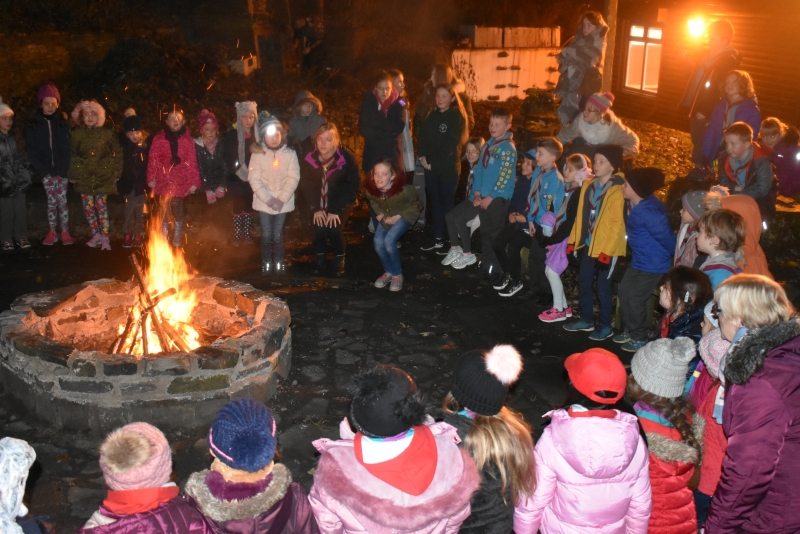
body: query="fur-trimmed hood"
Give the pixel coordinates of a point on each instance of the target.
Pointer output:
(670, 450)
(748, 354)
(398, 184)
(302, 98)
(90, 104)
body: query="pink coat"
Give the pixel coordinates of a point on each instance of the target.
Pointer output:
(347, 499)
(174, 181)
(591, 477)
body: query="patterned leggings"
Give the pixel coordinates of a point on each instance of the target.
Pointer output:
(56, 188)
(96, 210)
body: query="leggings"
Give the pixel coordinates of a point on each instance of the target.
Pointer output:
(96, 210)
(56, 188)
(557, 287)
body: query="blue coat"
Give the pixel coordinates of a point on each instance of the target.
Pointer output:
(496, 179)
(649, 236)
(746, 112)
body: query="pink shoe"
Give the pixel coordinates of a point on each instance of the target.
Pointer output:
(66, 238)
(95, 241)
(553, 315)
(50, 238)
(105, 244)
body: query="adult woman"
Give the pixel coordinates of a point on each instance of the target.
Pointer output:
(381, 123)
(329, 181)
(758, 490)
(440, 74)
(597, 126)
(237, 145)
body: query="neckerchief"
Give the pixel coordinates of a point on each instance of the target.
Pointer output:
(740, 166)
(469, 179)
(536, 183)
(595, 198)
(323, 195)
(645, 411)
(561, 216)
(491, 143)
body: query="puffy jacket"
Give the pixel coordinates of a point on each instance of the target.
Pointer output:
(714, 444)
(173, 180)
(274, 174)
(212, 167)
(649, 236)
(401, 199)
(15, 171)
(381, 133)
(343, 180)
(96, 162)
(786, 158)
(176, 515)
(347, 499)
(688, 325)
(591, 477)
(755, 262)
(759, 489)
(747, 111)
(48, 143)
(440, 140)
(759, 183)
(134, 167)
(601, 133)
(609, 230)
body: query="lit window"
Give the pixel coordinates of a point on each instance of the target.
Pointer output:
(644, 59)
(637, 31)
(654, 33)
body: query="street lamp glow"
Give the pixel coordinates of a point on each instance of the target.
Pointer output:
(697, 27)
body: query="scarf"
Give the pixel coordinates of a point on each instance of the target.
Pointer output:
(323, 194)
(394, 96)
(645, 411)
(412, 471)
(136, 501)
(719, 400)
(172, 138)
(740, 166)
(490, 144)
(594, 134)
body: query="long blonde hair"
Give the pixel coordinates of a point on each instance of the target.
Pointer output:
(504, 440)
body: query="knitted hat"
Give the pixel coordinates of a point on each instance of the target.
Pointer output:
(661, 366)
(530, 154)
(645, 180)
(597, 370)
(549, 219)
(207, 117)
(84, 105)
(5, 109)
(265, 120)
(712, 348)
(386, 402)
(613, 153)
(16, 459)
(601, 101)
(243, 435)
(708, 311)
(481, 379)
(693, 203)
(48, 89)
(136, 456)
(132, 123)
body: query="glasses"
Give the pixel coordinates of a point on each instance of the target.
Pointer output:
(716, 311)
(590, 109)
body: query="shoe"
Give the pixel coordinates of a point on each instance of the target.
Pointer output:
(338, 265)
(452, 255)
(8, 246)
(280, 267)
(319, 265)
(24, 243)
(633, 345)
(553, 315)
(465, 260)
(128, 241)
(512, 288)
(433, 245)
(95, 241)
(622, 337)
(445, 248)
(604, 332)
(397, 283)
(177, 237)
(105, 243)
(501, 282)
(66, 239)
(137, 241)
(579, 326)
(383, 281)
(50, 238)
(266, 268)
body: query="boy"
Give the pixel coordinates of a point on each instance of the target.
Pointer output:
(747, 168)
(15, 179)
(652, 243)
(132, 184)
(722, 234)
(598, 237)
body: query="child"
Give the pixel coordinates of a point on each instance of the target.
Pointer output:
(598, 237)
(306, 118)
(16, 459)
(397, 206)
(95, 166)
(591, 461)
(693, 206)
(49, 147)
(398, 472)
(785, 144)
(274, 175)
(739, 104)
(721, 236)
(597, 126)
(684, 295)
(747, 169)
(381, 123)
(172, 172)
(674, 432)
(237, 143)
(133, 182)
(137, 466)
(498, 438)
(210, 157)
(246, 490)
(461, 220)
(652, 242)
(577, 170)
(15, 178)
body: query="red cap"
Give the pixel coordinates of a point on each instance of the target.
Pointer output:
(597, 370)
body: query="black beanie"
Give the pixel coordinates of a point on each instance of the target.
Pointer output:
(386, 402)
(645, 181)
(613, 154)
(481, 380)
(132, 124)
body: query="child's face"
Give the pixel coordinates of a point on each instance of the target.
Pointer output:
(569, 174)
(588, 27)
(705, 243)
(472, 152)
(736, 146)
(443, 99)
(5, 122)
(49, 105)
(248, 120)
(175, 121)
(544, 158)
(209, 132)
(665, 297)
(527, 167)
(382, 175)
(771, 139)
(90, 118)
(629, 194)
(274, 140)
(306, 109)
(134, 137)
(325, 143)
(383, 89)
(686, 217)
(602, 167)
(498, 126)
(732, 89)
(591, 114)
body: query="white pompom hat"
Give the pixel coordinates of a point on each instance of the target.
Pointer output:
(481, 379)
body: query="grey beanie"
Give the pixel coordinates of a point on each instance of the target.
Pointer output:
(693, 202)
(661, 367)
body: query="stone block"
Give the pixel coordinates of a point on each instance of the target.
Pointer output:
(88, 304)
(216, 358)
(252, 354)
(224, 296)
(85, 386)
(40, 347)
(115, 287)
(46, 303)
(275, 340)
(116, 314)
(120, 368)
(136, 388)
(185, 384)
(263, 367)
(248, 301)
(83, 368)
(72, 319)
(176, 364)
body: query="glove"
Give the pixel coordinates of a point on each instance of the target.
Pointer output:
(219, 192)
(277, 204)
(211, 197)
(570, 249)
(604, 258)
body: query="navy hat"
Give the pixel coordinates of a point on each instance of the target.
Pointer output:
(132, 124)
(530, 154)
(386, 402)
(645, 180)
(613, 153)
(243, 435)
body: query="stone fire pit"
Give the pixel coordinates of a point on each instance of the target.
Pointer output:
(53, 356)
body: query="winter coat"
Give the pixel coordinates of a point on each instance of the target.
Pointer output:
(427, 102)
(687, 325)
(759, 489)
(252, 511)
(175, 515)
(134, 167)
(302, 129)
(609, 230)
(48, 143)
(439, 139)
(348, 499)
(274, 173)
(382, 133)
(714, 444)
(786, 158)
(583, 52)
(496, 168)
(755, 262)
(591, 477)
(343, 181)
(705, 83)
(686, 245)
(759, 182)
(212, 167)
(401, 199)
(651, 239)
(602, 132)
(174, 181)
(747, 111)
(230, 153)
(96, 162)
(16, 172)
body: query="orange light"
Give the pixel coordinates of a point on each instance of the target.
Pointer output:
(697, 27)
(275, 163)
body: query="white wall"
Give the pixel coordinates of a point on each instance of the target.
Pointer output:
(478, 68)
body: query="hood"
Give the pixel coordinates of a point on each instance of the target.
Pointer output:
(398, 184)
(595, 447)
(302, 98)
(86, 104)
(16, 458)
(748, 354)
(748, 208)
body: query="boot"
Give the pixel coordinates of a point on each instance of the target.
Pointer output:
(338, 265)
(280, 268)
(177, 238)
(237, 228)
(319, 265)
(266, 268)
(247, 224)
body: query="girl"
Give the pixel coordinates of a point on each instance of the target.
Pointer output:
(674, 432)
(398, 471)
(330, 181)
(577, 170)
(463, 220)
(684, 295)
(210, 158)
(497, 437)
(591, 461)
(16, 459)
(397, 206)
(95, 165)
(443, 131)
(237, 145)
(596, 126)
(172, 172)
(274, 175)
(442, 74)
(49, 147)
(739, 104)
(470, 153)
(306, 118)
(693, 206)
(15, 178)
(784, 141)
(133, 182)
(409, 160)
(381, 123)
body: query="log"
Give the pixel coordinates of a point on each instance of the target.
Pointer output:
(120, 341)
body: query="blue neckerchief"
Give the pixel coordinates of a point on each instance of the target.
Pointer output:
(469, 414)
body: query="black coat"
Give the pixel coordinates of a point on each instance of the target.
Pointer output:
(702, 97)
(343, 181)
(440, 140)
(381, 133)
(231, 153)
(688, 325)
(15, 171)
(213, 168)
(49, 159)
(134, 167)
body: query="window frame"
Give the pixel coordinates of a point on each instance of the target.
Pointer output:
(645, 40)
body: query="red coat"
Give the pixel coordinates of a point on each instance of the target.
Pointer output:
(714, 445)
(168, 179)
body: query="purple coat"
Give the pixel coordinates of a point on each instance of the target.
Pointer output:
(760, 490)
(176, 515)
(746, 112)
(786, 158)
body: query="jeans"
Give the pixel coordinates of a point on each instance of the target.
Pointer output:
(272, 236)
(457, 220)
(515, 239)
(635, 290)
(385, 243)
(586, 277)
(13, 218)
(702, 503)
(441, 190)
